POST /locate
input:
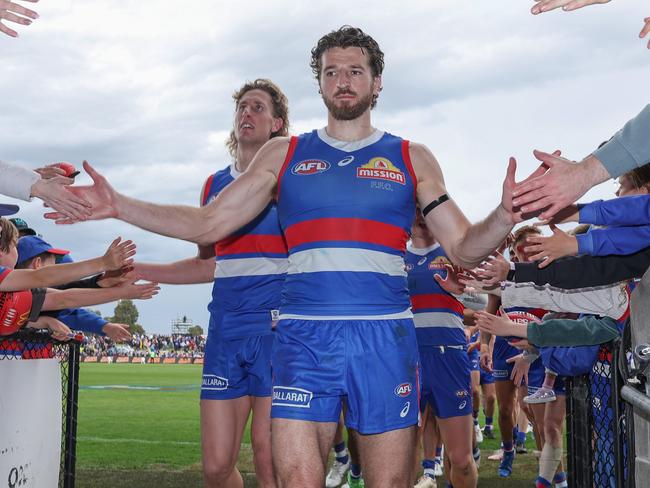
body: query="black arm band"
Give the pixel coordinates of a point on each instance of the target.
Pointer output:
(434, 204)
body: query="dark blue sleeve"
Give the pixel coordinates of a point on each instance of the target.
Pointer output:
(614, 240)
(634, 210)
(83, 320)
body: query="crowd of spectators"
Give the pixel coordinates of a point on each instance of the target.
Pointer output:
(146, 345)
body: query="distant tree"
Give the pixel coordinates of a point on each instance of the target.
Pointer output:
(195, 330)
(127, 313)
(97, 312)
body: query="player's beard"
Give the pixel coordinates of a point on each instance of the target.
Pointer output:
(348, 111)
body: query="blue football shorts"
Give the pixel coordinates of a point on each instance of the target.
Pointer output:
(446, 381)
(234, 368)
(371, 365)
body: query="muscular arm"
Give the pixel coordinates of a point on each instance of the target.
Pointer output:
(466, 244)
(235, 206)
(183, 272)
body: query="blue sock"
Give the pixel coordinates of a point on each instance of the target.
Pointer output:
(475, 415)
(559, 477)
(488, 420)
(476, 453)
(355, 470)
(438, 451)
(541, 482)
(340, 449)
(428, 464)
(507, 446)
(521, 437)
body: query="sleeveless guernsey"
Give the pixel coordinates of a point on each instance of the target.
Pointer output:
(346, 210)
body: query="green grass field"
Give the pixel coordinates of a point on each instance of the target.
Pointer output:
(139, 427)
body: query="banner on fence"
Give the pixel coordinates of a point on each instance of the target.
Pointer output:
(30, 423)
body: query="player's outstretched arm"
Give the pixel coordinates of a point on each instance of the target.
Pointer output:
(567, 5)
(237, 205)
(118, 254)
(15, 12)
(465, 244)
(183, 272)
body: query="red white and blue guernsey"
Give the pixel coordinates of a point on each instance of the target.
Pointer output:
(346, 210)
(502, 350)
(250, 269)
(438, 317)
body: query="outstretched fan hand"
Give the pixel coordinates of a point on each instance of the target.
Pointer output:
(100, 195)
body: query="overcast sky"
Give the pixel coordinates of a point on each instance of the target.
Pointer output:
(142, 89)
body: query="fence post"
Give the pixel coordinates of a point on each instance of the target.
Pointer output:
(71, 415)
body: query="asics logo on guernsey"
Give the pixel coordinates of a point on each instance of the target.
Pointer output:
(287, 396)
(214, 382)
(345, 161)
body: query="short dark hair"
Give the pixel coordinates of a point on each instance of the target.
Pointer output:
(348, 36)
(278, 100)
(28, 262)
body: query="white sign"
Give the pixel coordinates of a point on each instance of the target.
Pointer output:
(30, 423)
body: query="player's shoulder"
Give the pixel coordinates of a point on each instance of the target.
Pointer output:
(420, 152)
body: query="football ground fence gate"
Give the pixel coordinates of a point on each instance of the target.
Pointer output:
(31, 345)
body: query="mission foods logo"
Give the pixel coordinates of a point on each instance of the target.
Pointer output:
(439, 262)
(381, 169)
(310, 167)
(287, 396)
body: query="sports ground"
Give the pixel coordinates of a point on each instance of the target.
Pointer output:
(139, 427)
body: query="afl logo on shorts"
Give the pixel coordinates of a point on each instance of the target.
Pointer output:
(310, 167)
(403, 390)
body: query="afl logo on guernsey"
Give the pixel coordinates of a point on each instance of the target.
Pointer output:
(381, 169)
(310, 167)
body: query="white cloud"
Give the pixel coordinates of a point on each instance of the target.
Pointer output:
(143, 90)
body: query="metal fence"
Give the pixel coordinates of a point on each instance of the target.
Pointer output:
(29, 344)
(600, 418)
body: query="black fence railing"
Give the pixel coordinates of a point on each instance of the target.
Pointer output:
(600, 430)
(29, 344)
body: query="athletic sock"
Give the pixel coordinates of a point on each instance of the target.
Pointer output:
(476, 453)
(475, 416)
(341, 453)
(549, 461)
(427, 466)
(355, 471)
(521, 437)
(438, 452)
(488, 420)
(560, 480)
(507, 446)
(542, 483)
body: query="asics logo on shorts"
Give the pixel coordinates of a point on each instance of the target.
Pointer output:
(462, 405)
(214, 382)
(287, 396)
(405, 410)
